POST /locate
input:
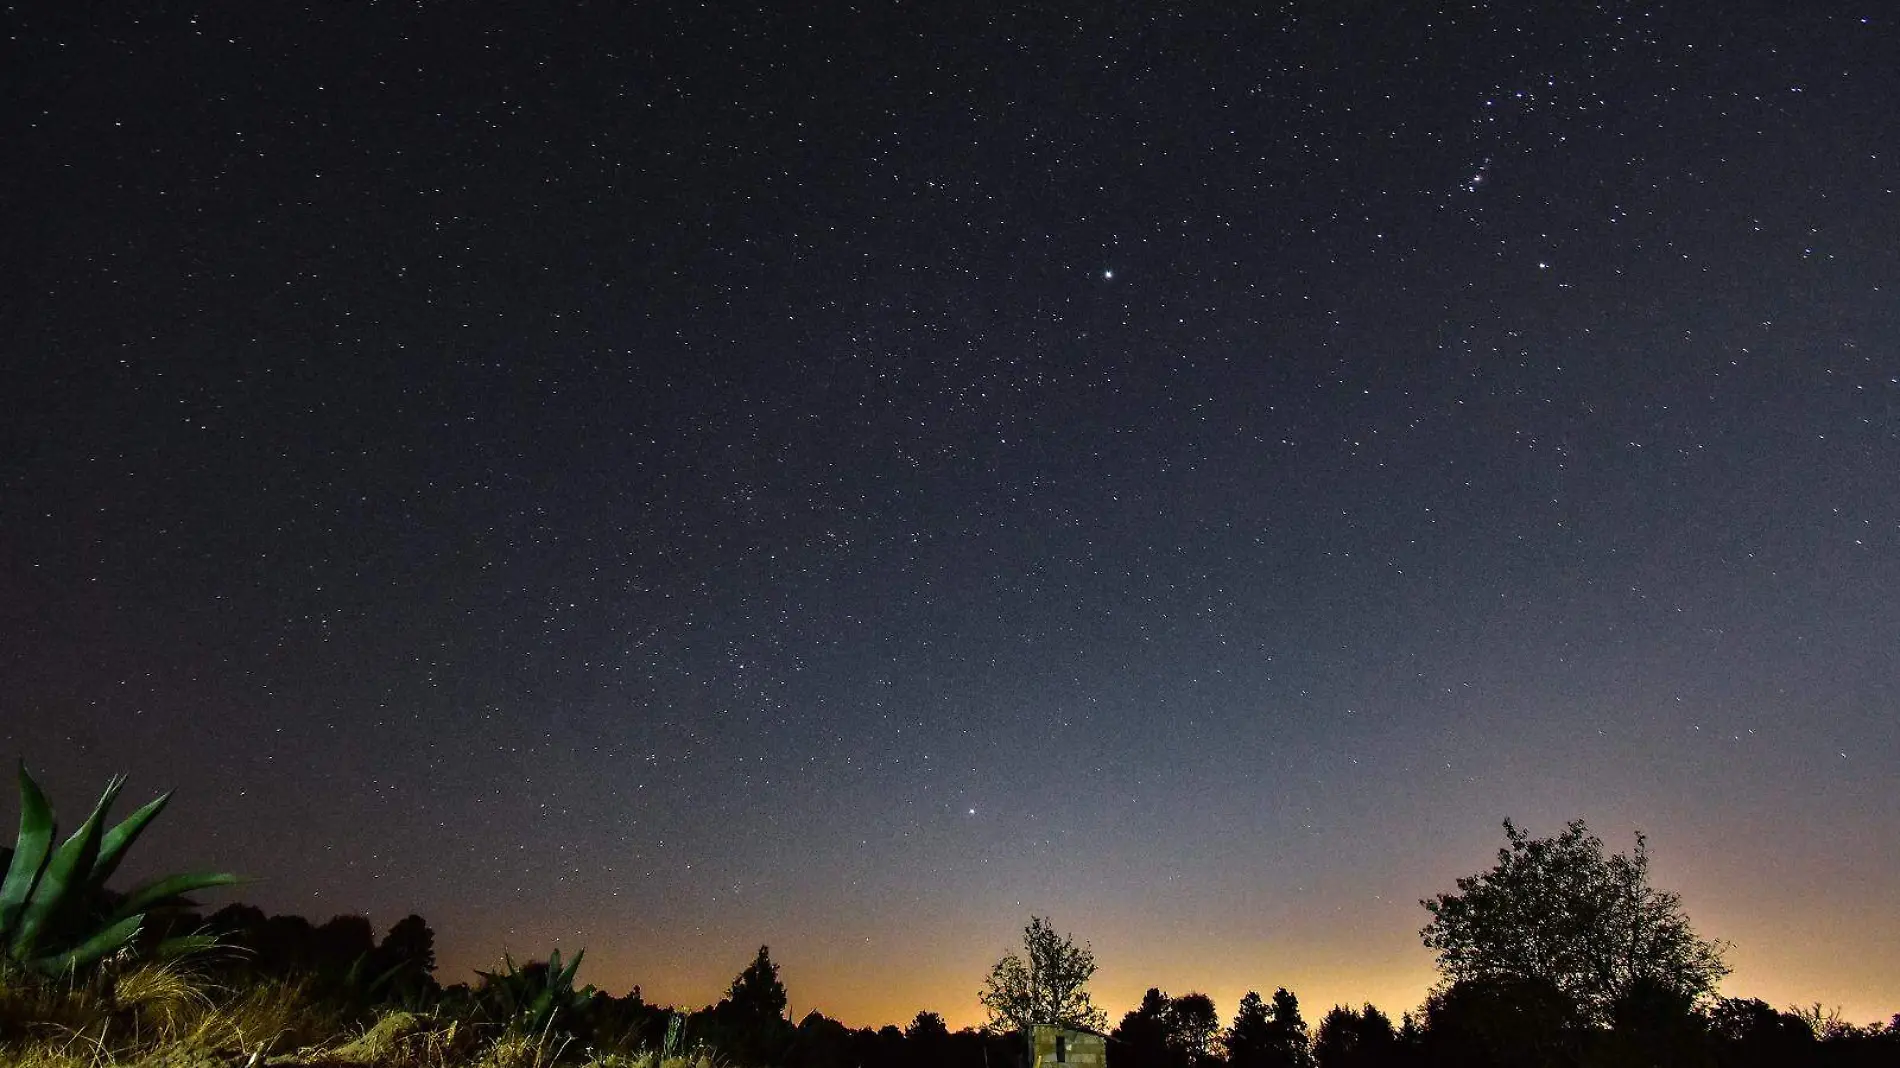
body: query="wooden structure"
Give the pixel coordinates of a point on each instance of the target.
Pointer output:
(1050, 1045)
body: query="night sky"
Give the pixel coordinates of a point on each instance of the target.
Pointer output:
(668, 478)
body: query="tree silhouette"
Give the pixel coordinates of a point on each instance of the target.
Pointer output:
(288, 944)
(340, 943)
(819, 1042)
(1050, 987)
(926, 1027)
(1501, 1022)
(405, 960)
(1749, 1033)
(1349, 1038)
(927, 1041)
(1288, 1043)
(757, 992)
(1192, 1025)
(1557, 911)
(1249, 1038)
(1141, 1039)
(751, 1020)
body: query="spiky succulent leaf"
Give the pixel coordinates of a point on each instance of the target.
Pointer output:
(28, 855)
(564, 980)
(164, 891)
(106, 940)
(184, 946)
(113, 846)
(65, 873)
(58, 914)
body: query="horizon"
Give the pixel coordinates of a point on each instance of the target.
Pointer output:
(864, 998)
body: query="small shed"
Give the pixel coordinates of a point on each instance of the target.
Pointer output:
(1051, 1044)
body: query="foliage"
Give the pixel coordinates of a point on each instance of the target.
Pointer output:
(1165, 1032)
(535, 998)
(403, 964)
(1142, 1037)
(1050, 987)
(56, 915)
(1501, 1020)
(756, 993)
(927, 1027)
(1248, 1037)
(1268, 1035)
(1557, 911)
(1192, 1025)
(1355, 1038)
(749, 1024)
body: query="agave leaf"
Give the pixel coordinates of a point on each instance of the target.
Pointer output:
(28, 855)
(104, 941)
(64, 873)
(113, 846)
(184, 946)
(565, 979)
(160, 891)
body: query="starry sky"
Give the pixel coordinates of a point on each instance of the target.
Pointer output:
(666, 478)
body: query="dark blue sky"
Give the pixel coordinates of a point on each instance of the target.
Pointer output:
(663, 480)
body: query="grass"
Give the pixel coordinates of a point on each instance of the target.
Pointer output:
(168, 1016)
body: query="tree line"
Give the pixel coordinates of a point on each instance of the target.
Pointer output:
(1558, 956)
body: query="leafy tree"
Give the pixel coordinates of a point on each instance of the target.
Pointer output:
(757, 992)
(819, 1042)
(1250, 1037)
(1501, 1022)
(341, 943)
(405, 959)
(1557, 911)
(1349, 1038)
(1192, 1026)
(1751, 1019)
(926, 1042)
(1289, 1044)
(1050, 987)
(750, 1021)
(1654, 1023)
(288, 944)
(1141, 1039)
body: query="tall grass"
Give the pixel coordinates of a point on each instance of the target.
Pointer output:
(166, 1015)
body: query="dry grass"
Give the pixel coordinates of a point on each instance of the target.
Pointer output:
(167, 1016)
(153, 1016)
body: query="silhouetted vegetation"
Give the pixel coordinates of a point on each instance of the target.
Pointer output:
(1357, 1038)
(1587, 930)
(1557, 957)
(1048, 984)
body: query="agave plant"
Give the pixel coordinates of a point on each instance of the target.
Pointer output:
(56, 915)
(531, 998)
